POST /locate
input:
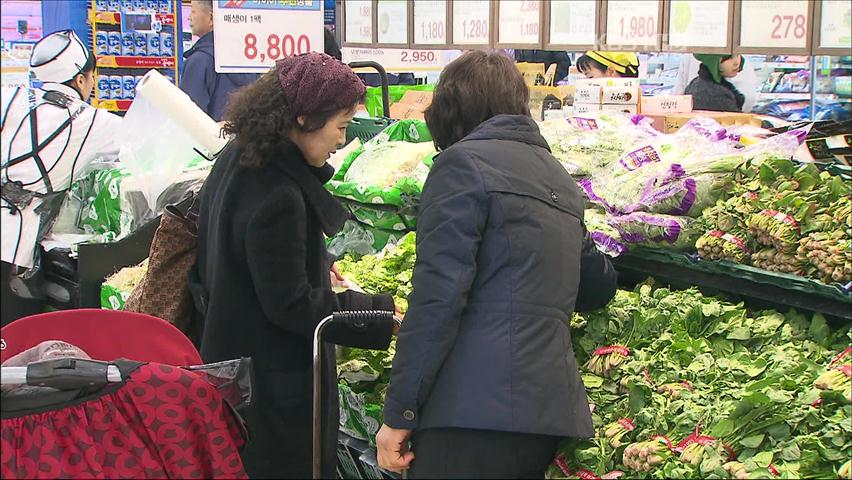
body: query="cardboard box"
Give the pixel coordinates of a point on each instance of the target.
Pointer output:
(581, 108)
(621, 95)
(608, 82)
(631, 109)
(666, 104)
(588, 94)
(672, 123)
(411, 105)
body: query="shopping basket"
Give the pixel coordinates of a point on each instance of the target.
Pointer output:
(128, 412)
(357, 321)
(367, 128)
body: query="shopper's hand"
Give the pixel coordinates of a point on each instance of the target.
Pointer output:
(398, 314)
(392, 449)
(337, 279)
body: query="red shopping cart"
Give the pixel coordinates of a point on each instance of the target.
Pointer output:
(130, 411)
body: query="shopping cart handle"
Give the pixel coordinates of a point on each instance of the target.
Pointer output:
(361, 320)
(68, 373)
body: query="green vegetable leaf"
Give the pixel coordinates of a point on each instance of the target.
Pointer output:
(753, 441)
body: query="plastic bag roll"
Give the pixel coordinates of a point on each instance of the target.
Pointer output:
(177, 106)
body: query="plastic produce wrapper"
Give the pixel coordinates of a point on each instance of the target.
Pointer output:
(117, 287)
(607, 239)
(232, 378)
(353, 418)
(653, 230)
(373, 97)
(383, 187)
(585, 145)
(358, 239)
(155, 147)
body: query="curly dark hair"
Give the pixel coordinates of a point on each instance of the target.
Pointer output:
(473, 88)
(259, 117)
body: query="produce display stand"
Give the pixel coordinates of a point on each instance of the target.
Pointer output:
(779, 289)
(75, 281)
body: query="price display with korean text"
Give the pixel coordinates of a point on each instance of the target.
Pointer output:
(698, 23)
(392, 21)
(251, 35)
(836, 24)
(572, 23)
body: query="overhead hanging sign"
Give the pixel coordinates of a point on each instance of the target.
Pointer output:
(430, 22)
(835, 29)
(250, 35)
(358, 21)
(393, 21)
(573, 23)
(633, 23)
(519, 22)
(699, 23)
(772, 25)
(471, 22)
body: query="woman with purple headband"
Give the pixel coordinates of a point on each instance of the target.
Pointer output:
(262, 262)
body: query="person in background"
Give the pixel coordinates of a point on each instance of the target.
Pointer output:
(711, 90)
(746, 81)
(48, 138)
(262, 274)
(598, 64)
(560, 58)
(208, 89)
(331, 47)
(484, 382)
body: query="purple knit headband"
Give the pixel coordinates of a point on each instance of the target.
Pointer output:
(316, 82)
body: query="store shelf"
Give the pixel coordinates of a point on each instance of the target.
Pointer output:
(787, 66)
(747, 282)
(784, 96)
(110, 61)
(114, 18)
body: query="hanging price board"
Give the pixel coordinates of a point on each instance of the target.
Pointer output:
(700, 26)
(251, 36)
(572, 25)
(430, 22)
(471, 22)
(774, 27)
(833, 27)
(632, 25)
(358, 21)
(401, 60)
(519, 23)
(392, 22)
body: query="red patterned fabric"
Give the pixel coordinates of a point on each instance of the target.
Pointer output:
(164, 422)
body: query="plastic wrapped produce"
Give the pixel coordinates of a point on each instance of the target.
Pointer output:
(652, 230)
(607, 239)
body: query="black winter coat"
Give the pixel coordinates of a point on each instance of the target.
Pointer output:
(709, 95)
(503, 260)
(263, 263)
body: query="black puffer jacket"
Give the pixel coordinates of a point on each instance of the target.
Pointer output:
(486, 343)
(717, 97)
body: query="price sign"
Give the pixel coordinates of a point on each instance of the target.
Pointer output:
(401, 60)
(250, 37)
(471, 22)
(359, 21)
(774, 24)
(698, 23)
(633, 22)
(835, 30)
(393, 21)
(572, 23)
(430, 22)
(520, 22)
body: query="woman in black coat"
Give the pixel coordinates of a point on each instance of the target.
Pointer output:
(485, 382)
(262, 262)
